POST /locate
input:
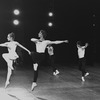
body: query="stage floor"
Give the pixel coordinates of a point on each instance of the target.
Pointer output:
(65, 86)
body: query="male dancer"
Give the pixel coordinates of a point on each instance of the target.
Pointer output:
(81, 56)
(51, 58)
(11, 56)
(37, 57)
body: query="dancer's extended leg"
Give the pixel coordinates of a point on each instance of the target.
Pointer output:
(10, 67)
(9, 73)
(34, 84)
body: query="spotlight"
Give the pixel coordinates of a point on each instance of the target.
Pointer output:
(16, 12)
(16, 22)
(93, 24)
(50, 14)
(50, 24)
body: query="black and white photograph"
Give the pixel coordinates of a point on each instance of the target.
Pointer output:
(49, 50)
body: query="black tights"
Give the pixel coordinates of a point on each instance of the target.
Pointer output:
(82, 66)
(35, 75)
(51, 58)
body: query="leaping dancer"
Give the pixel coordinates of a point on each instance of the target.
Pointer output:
(38, 56)
(11, 56)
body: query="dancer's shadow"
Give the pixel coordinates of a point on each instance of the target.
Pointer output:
(41, 98)
(13, 96)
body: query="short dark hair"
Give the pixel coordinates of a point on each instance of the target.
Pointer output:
(79, 43)
(43, 33)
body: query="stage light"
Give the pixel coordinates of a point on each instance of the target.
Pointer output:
(16, 22)
(50, 14)
(16, 12)
(93, 24)
(50, 24)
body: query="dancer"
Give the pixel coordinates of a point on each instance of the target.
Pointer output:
(82, 60)
(51, 59)
(11, 56)
(38, 56)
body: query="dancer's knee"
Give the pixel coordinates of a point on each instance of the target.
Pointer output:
(5, 56)
(35, 66)
(9, 71)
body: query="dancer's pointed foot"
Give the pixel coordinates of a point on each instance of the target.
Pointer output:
(83, 80)
(56, 72)
(6, 84)
(86, 74)
(33, 86)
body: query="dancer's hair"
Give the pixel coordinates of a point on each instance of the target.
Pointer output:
(43, 33)
(79, 43)
(12, 35)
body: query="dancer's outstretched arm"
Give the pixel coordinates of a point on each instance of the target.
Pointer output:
(58, 42)
(34, 40)
(4, 44)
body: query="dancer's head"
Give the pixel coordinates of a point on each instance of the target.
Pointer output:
(42, 34)
(11, 36)
(79, 43)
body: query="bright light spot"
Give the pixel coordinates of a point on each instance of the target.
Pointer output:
(93, 24)
(16, 12)
(50, 24)
(16, 22)
(50, 14)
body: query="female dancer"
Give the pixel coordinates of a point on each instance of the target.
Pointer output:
(11, 56)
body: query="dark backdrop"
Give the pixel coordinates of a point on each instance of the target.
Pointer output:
(73, 20)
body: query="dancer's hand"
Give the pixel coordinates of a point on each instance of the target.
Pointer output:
(66, 41)
(86, 44)
(29, 52)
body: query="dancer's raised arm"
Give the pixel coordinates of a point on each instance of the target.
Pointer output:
(85, 46)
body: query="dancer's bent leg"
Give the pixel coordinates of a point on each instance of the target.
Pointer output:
(8, 60)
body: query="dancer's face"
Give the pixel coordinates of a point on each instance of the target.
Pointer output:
(9, 38)
(40, 35)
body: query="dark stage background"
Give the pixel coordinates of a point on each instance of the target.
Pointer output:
(73, 20)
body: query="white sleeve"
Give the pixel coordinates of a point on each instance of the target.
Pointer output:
(48, 42)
